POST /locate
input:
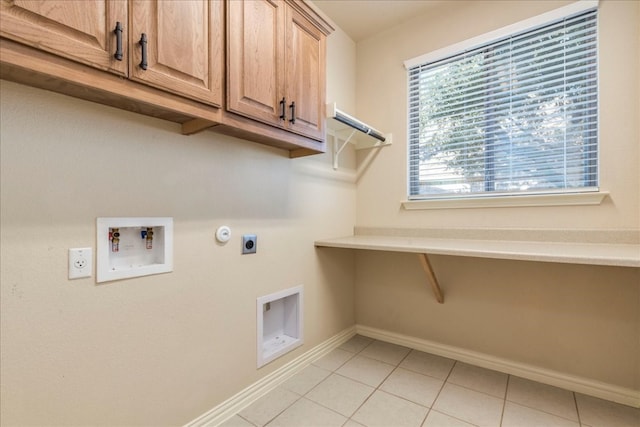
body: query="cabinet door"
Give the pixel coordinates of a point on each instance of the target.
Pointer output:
(305, 75)
(183, 47)
(255, 72)
(81, 30)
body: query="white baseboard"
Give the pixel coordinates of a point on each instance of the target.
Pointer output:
(590, 387)
(241, 400)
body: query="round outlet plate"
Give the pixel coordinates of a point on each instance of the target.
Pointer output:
(223, 234)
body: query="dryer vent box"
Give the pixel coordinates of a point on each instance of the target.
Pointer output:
(133, 247)
(280, 324)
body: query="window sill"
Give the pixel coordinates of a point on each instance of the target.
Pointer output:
(567, 199)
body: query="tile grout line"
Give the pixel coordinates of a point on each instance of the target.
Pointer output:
(280, 413)
(575, 402)
(398, 367)
(327, 408)
(302, 396)
(403, 398)
(347, 418)
(377, 388)
(475, 390)
(335, 372)
(253, 424)
(446, 379)
(504, 401)
(544, 411)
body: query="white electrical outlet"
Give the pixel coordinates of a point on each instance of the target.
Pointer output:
(80, 263)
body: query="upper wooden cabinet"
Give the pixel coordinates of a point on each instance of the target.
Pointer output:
(80, 30)
(255, 69)
(276, 64)
(183, 46)
(166, 58)
(305, 75)
(176, 45)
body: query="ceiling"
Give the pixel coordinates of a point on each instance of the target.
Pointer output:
(363, 18)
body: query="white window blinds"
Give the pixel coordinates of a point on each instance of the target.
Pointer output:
(515, 116)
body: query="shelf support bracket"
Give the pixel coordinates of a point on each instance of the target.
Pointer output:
(196, 125)
(337, 150)
(435, 286)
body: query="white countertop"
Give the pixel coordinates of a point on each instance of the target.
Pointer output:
(623, 255)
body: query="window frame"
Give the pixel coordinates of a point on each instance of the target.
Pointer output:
(529, 198)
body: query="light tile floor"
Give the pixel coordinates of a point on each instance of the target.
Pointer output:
(372, 383)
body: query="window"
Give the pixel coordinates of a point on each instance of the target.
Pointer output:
(514, 116)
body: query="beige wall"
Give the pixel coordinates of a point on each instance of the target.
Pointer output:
(580, 320)
(164, 349)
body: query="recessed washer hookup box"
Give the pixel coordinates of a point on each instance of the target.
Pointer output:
(133, 247)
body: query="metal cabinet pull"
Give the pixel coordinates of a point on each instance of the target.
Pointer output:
(143, 44)
(283, 106)
(292, 120)
(118, 32)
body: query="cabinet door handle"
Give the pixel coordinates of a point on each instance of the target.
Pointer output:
(292, 120)
(118, 31)
(143, 44)
(283, 106)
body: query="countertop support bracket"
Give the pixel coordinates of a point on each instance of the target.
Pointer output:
(435, 286)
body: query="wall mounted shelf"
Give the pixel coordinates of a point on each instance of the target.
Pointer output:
(348, 129)
(568, 252)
